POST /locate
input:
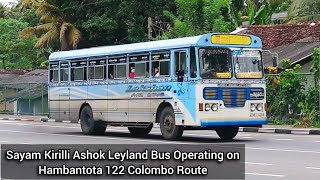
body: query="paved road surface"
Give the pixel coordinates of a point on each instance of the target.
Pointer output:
(268, 156)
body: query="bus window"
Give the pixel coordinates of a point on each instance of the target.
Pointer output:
(160, 64)
(97, 69)
(117, 67)
(54, 73)
(64, 72)
(193, 63)
(138, 65)
(132, 71)
(215, 63)
(120, 71)
(78, 74)
(180, 59)
(111, 71)
(78, 71)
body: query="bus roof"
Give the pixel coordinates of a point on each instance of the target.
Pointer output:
(202, 40)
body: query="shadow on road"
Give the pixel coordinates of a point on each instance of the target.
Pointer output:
(184, 138)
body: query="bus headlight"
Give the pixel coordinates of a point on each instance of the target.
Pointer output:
(207, 107)
(259, 107)
(252, 107)
(214, 107)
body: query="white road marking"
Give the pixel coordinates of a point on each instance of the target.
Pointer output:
(283, 150)
(317, 141)
(246, 137)
(4, 141)
(272, 175)
(284, 139)
(314, 168)
(95, 137)
(262, 164)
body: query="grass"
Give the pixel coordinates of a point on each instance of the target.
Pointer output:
(281, 122)
(316, 124)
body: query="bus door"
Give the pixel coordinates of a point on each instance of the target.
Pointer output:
(181, 71)
(64, 90)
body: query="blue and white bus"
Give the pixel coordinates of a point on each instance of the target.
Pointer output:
(212, 81)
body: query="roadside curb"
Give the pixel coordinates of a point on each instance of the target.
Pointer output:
(281, 130)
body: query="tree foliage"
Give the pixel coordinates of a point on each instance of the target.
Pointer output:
(289, 98)
(304, 10)
(196, 17)
(55, 28)
(16, 52)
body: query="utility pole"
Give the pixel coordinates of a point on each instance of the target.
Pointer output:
(149, 28)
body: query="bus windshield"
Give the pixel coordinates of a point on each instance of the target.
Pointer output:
(248, 64)
(215, 63)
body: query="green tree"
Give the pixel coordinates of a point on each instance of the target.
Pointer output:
(116, 22)
(56, 31)
(260, 12)
(196, 17)
(304, 10)
(16, 52)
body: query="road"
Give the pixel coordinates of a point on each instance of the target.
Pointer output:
(268, 156)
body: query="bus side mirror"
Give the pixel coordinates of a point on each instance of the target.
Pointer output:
(275, 61)
(180, 75)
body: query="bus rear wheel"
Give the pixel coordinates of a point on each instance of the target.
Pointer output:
(227, 132)
(138, 131)
(168, 127)
(88, 125)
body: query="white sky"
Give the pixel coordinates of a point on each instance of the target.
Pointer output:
(6, 1)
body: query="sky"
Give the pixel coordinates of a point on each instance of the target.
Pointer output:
(7, 1)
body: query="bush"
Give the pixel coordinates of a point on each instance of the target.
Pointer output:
(290, 102)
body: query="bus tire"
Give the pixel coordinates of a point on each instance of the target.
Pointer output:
(138, 131)
(168, 127)
(88, 125)
(227, 132)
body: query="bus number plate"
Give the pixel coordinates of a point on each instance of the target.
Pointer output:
(256, 114)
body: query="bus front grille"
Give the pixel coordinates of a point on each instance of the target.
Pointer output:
(232, 97)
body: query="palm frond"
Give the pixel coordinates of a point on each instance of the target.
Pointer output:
(69, 36)
(37, 30)
(47, 39)
(29, 3)
(74, 36)
(47, 12)
(63, 38)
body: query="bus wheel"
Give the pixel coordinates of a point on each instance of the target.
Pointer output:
(138, 131)
(88, 125)
(227, 132)
(168, 127)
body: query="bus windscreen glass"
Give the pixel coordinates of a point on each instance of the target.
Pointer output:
(215, 63)
(248, 65)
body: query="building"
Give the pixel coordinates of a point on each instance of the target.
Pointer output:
(24, 92)
(290, 41)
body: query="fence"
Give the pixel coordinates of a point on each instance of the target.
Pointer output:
(24, 98)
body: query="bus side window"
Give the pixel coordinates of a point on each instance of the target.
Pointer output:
(54, 73)
(193, 63)
(180, 62)
(97, 69)
(54, 76)
(78, 71)
(111, 71)
(160, 64)
(117, 67)
(139, 65)
(64, 72)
